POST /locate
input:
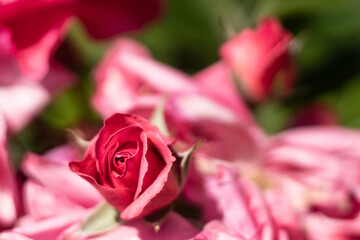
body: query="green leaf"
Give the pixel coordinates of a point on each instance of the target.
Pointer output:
(104, 219)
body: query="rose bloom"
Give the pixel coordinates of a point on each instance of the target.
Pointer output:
(261, 60)
(57, 211)
(130, 163)
(34, 39)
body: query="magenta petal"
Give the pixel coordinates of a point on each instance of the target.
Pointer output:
(107, 18)
(163, 188)
(34, 39)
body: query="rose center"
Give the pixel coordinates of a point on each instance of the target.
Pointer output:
(119, 160)
(119, 164)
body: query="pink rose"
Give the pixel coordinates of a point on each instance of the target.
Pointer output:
(261, 59)
(130, 163)
(309, 163)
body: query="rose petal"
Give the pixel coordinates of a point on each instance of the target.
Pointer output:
(34, 39)
(50, 174)
(41, 203)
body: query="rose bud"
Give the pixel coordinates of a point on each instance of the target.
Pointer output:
(260, 58)
(130, 164)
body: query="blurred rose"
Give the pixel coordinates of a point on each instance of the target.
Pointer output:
(260, 58)
(240, 211)
(20, 97)
(34, 39)
(9, 205)
(309, 164)
(320, 227)
(204, 107)
(130, 163)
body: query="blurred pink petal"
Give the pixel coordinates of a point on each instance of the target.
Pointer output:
(244, 211)
(224, 133)
(13, 236)
(21, 100)
(128, 79)
(319, 227)
(215, 230)
(56, 200)
(216, 83)
(310, 164)
(173, 227)
(40, 203)
(261, 60)
(8, 187)
(20, 97)
(216, 115)
(50, 228)
(52, 169)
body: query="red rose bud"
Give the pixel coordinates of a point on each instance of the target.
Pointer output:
(260, 58)
(130, 164)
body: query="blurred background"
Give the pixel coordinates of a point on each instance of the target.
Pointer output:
(188, 35)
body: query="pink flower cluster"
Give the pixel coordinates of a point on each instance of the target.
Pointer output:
(300, 184)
